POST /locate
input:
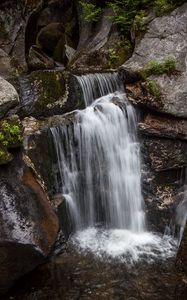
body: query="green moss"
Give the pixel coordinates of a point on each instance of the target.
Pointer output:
(10, 137)
(49, 88)
(5, 156)
(154, 67)
(112, 57)
(153, 88)
(90, 12)
(10, 133)
(163, 7)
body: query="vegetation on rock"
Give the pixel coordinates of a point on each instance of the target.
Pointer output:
(49, 87)
(128, 11)
(10, 137)
(154, 67)
(90, 12)
(153, 88)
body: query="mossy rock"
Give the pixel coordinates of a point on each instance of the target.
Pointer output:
(49, 36)
(49, 88)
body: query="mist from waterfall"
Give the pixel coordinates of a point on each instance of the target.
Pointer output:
(99, 164)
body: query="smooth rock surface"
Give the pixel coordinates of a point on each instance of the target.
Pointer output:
(8, 97)
(166, 36)
(28, 225)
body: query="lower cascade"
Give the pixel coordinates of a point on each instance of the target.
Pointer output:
(98, 159)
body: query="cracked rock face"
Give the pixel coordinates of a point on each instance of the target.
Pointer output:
(166, 36)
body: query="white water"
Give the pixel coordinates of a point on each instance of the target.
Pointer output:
(99, 163)
(96, 85)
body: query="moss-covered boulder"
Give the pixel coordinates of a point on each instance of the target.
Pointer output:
(51, 93)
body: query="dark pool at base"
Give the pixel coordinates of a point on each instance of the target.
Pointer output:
(73, 275)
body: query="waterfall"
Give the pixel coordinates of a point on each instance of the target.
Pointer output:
(98, 158)
(101, 166)
(94, 86)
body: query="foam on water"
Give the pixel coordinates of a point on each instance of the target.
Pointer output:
(124, 245)
(99, 163)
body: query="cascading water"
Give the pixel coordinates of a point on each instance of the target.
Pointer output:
(96, 85)
(99, 165)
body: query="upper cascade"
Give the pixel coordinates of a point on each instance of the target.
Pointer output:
(96, 85)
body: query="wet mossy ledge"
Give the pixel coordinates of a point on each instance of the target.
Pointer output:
(11, 136)
(50, 92)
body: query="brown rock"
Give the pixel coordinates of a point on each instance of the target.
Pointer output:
(164, 127)
(165, 154)
(28, 225)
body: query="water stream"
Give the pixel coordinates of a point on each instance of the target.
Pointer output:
(110, 254)
(100, 174)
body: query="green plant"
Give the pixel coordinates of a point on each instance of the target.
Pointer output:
(153, 88)
(90, 12)
(112, 57)
(10, 134)
(126, 10)
(141, 20)
(163, 6)
(155, 67)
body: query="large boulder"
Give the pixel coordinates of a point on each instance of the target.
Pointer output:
(165, 37)
(28, 225)
(100, 46)
(45, 93)
(8, 97)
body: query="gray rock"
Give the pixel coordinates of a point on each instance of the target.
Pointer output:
(8, 97)
(6, 68)
(38, 60)
(166, 36)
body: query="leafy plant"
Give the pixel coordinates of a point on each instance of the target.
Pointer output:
(155, 67)
(153, 88)
(113, 57)
(10, 134)
(90, 12)
(162, 7)
(125, 12)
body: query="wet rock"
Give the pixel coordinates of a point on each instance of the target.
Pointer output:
(166, 127)
(181, 266)
(166, 36)
(163, 163)
(37, 140)
(8, 97)
(181, 260)
(38, 60)
(165, 154)
(29, 226)
(49, 93)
